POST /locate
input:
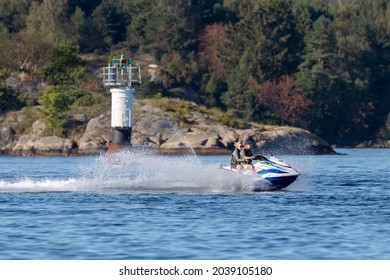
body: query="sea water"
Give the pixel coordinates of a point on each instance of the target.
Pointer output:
(143, 206)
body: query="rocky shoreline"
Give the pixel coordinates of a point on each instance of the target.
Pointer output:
(154, 130)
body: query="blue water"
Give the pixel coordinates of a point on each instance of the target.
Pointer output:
(155, 207)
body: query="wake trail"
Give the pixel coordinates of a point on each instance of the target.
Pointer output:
(140, 171)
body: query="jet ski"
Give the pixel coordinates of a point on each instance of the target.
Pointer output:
(269, 174)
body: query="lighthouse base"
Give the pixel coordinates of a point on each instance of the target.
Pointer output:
(120, 139)
(115, 148)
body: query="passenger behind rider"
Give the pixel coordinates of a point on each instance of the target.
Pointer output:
(247, 155)
(237, 160)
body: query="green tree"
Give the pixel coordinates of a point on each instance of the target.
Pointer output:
(169, 28)
(78, 22)
(353, 71)
(376, 16)
(338, 75)
(54, 103)
(279, 47)
(49, 18)
(214, 86)
(265, 44)
(318, 79)
(239, 97)
(110, 23)
(87, 6)
(65, 66)
(13, 14)
(25, 52)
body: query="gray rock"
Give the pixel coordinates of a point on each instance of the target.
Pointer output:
(213, 142)
(155, 129)
(291, 140)
(150, 125)
(35, 145)
(13, 82)
(164, 134)
(227, 136)
(39, 127)
(25, 145)
(24, 83)
(80, 118)
(97, 135)
(7, 136)
(54, 145)
(21, 118)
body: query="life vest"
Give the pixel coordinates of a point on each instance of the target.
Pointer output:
(234, 160)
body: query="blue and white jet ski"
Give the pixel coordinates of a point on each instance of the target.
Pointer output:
(269, 174)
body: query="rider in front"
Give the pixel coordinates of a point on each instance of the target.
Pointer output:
(247, 155)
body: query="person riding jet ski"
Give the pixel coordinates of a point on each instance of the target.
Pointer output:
(237, 160)
(247, 155)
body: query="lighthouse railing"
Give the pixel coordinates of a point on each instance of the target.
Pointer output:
(119, 76)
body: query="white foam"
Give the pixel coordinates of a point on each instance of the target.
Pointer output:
(39, 185)
(137, 170)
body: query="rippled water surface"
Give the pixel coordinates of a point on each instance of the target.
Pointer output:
(142, 206)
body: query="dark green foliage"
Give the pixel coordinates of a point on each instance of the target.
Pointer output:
(13, 14)
(376, 14)
(214, 86)
(49, 20)
(235, 98)
(229, 119)
(85, 5)
(9, 100)
(233, 54)
(318, 77)
(65, 64)
(265, 45)
(110, 23)
(339, 70)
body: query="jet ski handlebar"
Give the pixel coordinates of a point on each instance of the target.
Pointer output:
(260, 157)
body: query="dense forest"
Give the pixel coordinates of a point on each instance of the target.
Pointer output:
(322, 65)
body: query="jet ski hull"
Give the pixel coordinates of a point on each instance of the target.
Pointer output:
(269, 174)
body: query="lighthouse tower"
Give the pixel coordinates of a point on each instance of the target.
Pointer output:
(121, 77)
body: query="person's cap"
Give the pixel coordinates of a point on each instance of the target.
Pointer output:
(250, 143)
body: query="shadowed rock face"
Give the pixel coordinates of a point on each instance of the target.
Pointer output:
(154, 130)
(7, 136)
(290, 140)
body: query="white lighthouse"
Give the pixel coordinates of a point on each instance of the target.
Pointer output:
(121, 77)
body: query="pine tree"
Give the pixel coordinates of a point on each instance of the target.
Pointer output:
(110, 23)
(318, 79)
(266, 44)
(13, 14)
(376, 16)
(49, 20)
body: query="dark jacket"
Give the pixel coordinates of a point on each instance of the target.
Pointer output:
(246, 153)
